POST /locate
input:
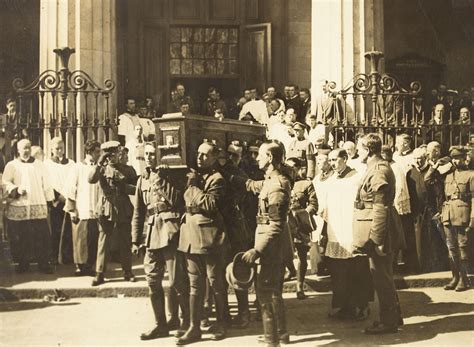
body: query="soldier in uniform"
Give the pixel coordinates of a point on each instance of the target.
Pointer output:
(458, 218)
(157, 205)
(202, 239)
(272, 240)
(377, 231)
(238, 231)
(303, 207)
(302, 149)
(114, 210)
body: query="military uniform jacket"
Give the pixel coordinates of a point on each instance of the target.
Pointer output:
(303, 206)
(116, 183)
(156, 209)
(459, 191)
(272, 236)
(303, 150)
(203, 230)
(375, 216)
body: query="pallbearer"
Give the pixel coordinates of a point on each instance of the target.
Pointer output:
(202, 239)
(157, 207)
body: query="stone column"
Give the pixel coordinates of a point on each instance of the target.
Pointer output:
(89, 26)
(342, 31)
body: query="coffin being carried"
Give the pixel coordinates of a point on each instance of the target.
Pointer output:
(178, 137)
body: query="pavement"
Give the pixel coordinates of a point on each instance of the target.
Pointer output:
(35, 285)
(433, 317)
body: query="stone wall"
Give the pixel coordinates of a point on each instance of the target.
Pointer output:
(299, 42)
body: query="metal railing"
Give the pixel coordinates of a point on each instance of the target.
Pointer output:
(64, 103)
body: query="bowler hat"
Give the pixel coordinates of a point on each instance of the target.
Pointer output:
(239, 274)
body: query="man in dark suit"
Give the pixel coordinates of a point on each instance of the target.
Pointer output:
(157, 204)
(377, 231)
(202, 239)
(305, 109)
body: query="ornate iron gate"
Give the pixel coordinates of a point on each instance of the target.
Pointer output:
(64, 103)
(377, 102)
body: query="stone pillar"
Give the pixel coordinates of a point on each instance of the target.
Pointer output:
(89, 26)
(342, 31)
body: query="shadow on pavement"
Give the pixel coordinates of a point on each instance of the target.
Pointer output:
(334, 332)
(31, 305)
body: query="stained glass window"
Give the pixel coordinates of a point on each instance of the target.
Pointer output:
(203, 51)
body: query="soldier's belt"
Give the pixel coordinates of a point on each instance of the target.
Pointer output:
(361, 205)
(193, 209)
(461, 196)
(266, 218)
(158, 208)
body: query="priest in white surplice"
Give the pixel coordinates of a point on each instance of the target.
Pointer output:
(58, 168)
(81, 204)
(29, 195)
(350, 275)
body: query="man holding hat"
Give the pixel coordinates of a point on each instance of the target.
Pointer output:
(272, 240)
(458, 217)
(158, 202)
(302, 149)
(114, 210)
(202, 239)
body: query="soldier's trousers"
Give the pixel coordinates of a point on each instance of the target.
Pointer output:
(168, 258)
(457, 242)
(382, 274)
(123, 230)
(269, 282)
(200, 265)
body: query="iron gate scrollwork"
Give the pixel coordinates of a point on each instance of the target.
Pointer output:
(60, 103)
(376, 102)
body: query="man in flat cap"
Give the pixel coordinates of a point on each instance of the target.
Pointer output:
(202, 239)
(458, 217)
(114, 210)
(302, 149)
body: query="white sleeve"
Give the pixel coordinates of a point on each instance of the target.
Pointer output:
(71, 183)
(47, 187)
(8, 177)
(124, 125)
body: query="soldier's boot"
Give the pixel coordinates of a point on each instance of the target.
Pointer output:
(193, 334)
(280, 315)
(184, 305)
(173, 310)
(218, 329)
(455, 271)
(99, 279)
(278, 308)
(464, 283)
(242, 320)
(270, 335)
(300, 275)
(158, 306)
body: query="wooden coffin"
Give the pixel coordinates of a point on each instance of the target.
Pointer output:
(178, 137)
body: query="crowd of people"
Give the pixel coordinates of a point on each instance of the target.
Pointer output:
(359, 209)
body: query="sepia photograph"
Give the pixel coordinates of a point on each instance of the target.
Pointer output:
(236, 173)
